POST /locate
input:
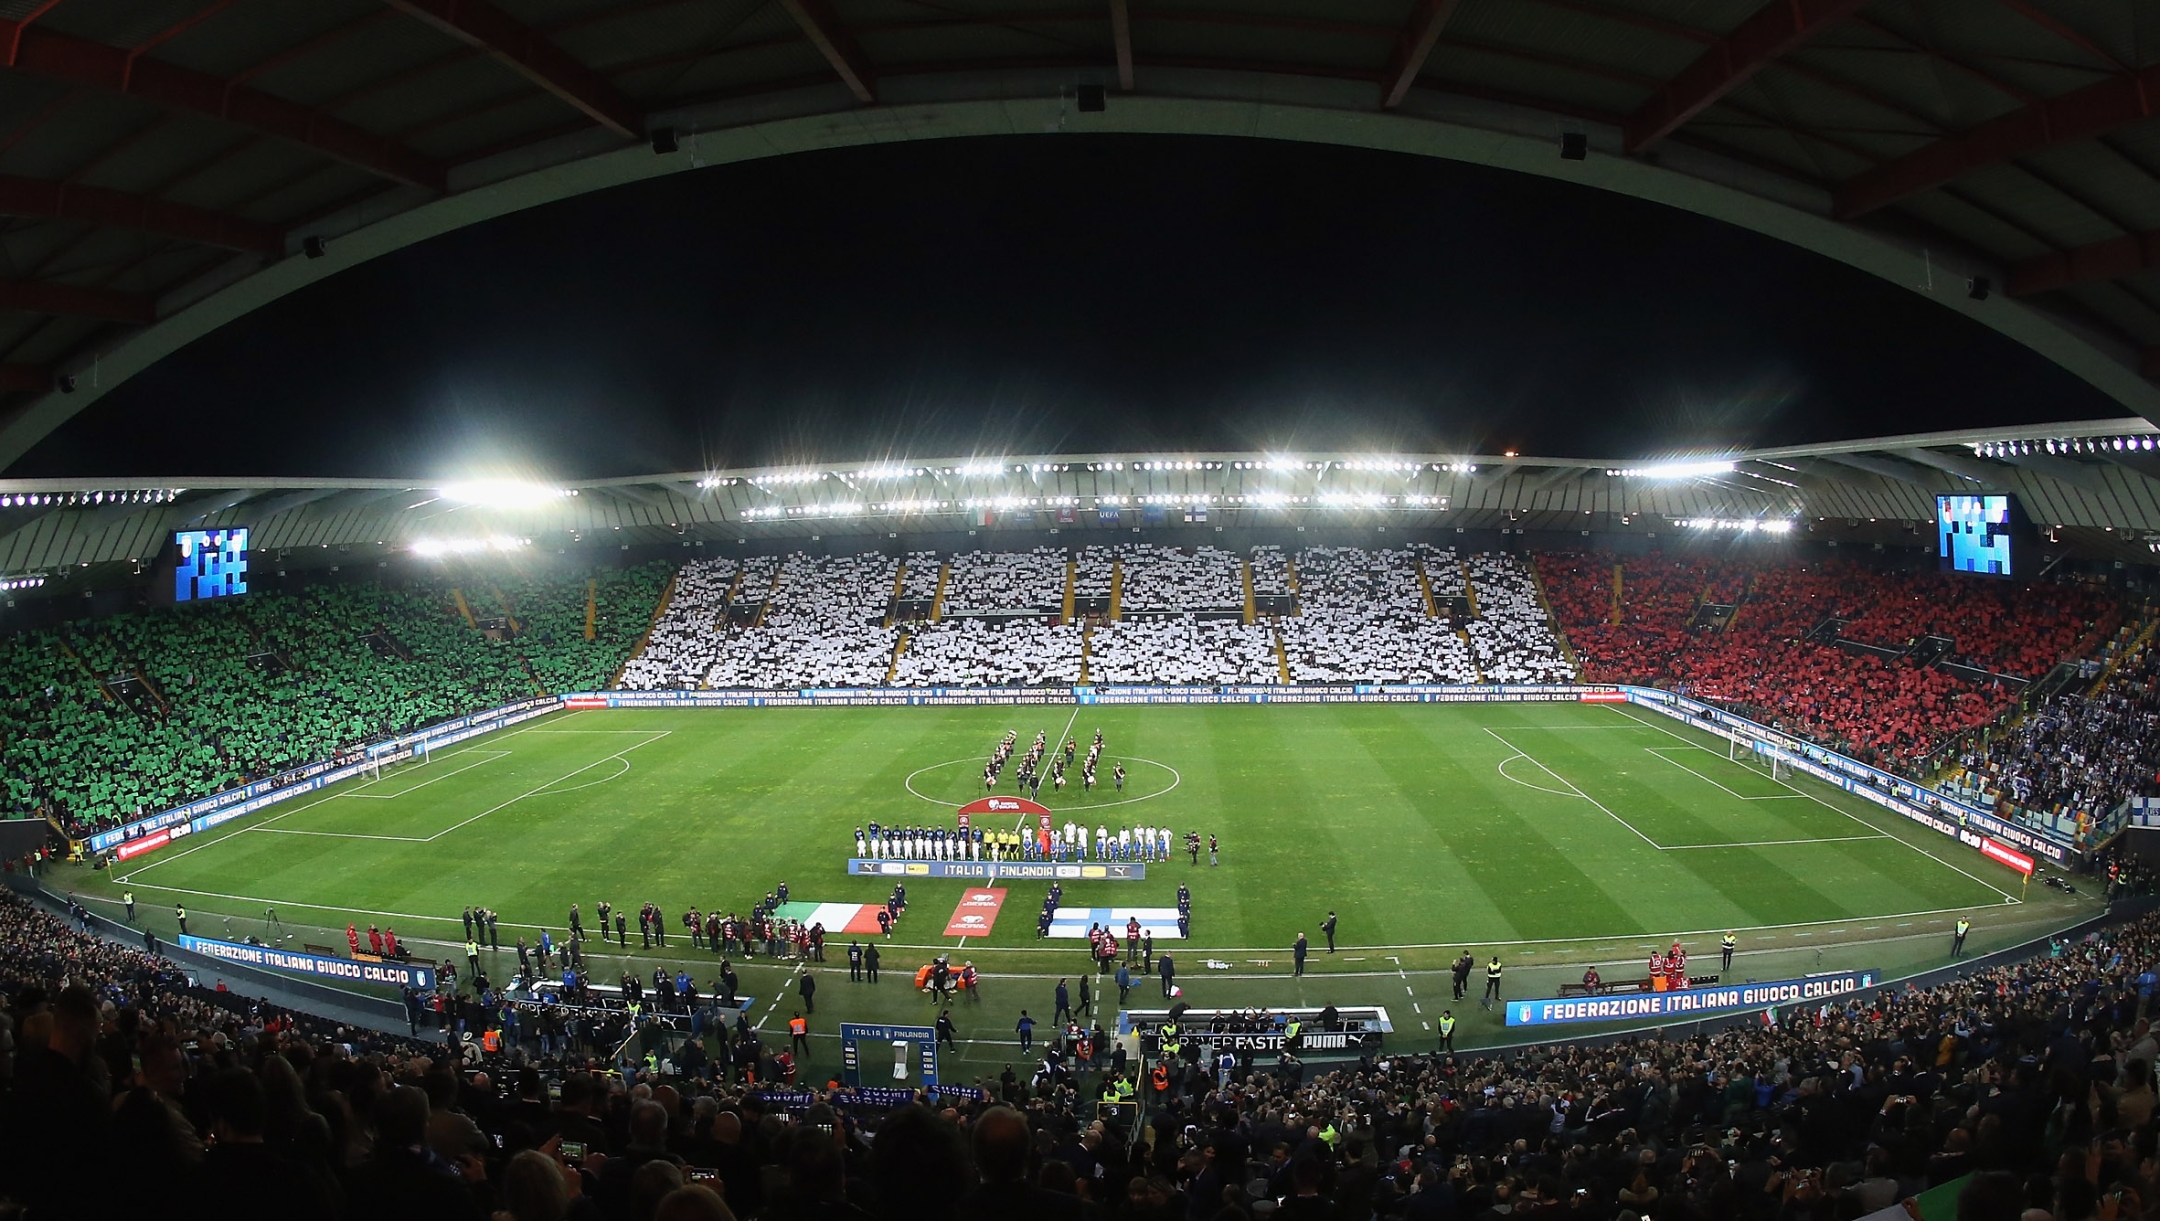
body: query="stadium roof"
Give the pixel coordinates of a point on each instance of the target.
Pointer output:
(2092, 487)
(167, 165)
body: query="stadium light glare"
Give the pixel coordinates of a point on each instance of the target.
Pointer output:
(434, 548)
(1681, 470)
(502, 493)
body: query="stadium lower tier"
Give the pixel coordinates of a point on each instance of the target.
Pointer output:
(106, 718)
(230, 1108)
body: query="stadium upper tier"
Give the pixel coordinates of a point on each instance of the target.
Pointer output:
(2093, 488)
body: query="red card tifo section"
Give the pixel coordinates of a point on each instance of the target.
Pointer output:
(977, 913)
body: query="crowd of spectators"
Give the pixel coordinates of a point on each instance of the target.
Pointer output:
(1270, 572)
(979, 652)
(1362, 617)
(2027, 1088)
(1005, 582)
(2082, 753)
(823, 624)
(104, 718)
(1356, 615)
(1183, 650)
(1775, 656)
(685, 640)
(1165, 580)
(1512, 636)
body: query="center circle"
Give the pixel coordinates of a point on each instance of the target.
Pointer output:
(1079, 802)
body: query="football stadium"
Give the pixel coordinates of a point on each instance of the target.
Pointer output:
(865, 610)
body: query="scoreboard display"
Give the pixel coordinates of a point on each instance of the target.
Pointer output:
(210, 564)
(1973, 533)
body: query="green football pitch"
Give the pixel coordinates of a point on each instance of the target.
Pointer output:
(1554, 835)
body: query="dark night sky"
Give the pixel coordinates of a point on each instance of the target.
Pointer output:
(1079, 293)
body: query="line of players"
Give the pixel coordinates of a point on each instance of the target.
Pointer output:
(1030, 773)
(1070, 842)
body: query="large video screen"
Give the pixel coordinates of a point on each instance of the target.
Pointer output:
(212, 564)
(1974, 533)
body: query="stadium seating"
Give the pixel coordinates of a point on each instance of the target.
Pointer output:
(105, 718)
(1512, 637)
(685, 640)
(1183, 649)
(823, 625)
(1362, 617)
(2034, 1077)
(1167, 581)
(1006, 582)
(2082, 753)
(1880, 707)
(976, 652)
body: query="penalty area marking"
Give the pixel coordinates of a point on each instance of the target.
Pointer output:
(1176, 779)
(2007, 896)
(1575, 791)
(486, 756)
(1658, 752)
(623, 769)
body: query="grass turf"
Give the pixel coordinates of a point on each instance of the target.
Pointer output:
(1553, 834)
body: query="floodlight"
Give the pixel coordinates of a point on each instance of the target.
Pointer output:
(502, 493)
(1681, 470)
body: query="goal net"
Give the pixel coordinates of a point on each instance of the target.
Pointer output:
(415, 754)
(1761, 756)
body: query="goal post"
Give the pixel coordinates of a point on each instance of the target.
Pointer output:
(397, 757)
(1754, 753)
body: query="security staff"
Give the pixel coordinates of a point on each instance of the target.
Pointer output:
(129, 899)
(1957, 939)
(1726, 947)
(1492, 982)
(1447, 1031)
(1292, 1034)
(180, 914)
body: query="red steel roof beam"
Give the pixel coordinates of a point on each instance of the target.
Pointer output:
(1775, 29)
(1412, 48)
(62, 300)
(81, 61)
(2078, 115)
(528, 53)
(836, 44)
(119, 210)
(2116, 257)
